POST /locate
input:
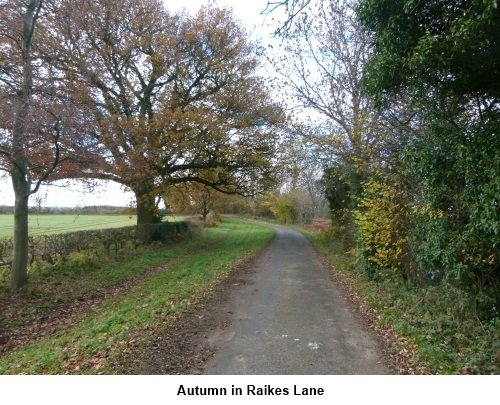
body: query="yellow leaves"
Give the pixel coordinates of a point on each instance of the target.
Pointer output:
(378, 221)
(427, 211)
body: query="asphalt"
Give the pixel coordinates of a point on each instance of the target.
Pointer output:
(290, 319)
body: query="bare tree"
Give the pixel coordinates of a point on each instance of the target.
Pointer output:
(301, 181)
(322, 63)
(292, 9)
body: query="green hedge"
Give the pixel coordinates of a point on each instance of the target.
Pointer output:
(51, 248)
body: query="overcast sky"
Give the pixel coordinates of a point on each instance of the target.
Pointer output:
(109, 193)
(248, 11)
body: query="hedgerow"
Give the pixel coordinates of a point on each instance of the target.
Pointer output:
(51, 248)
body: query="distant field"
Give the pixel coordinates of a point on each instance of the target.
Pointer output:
(50, 224)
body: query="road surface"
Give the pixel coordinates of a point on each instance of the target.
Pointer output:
(289, 318)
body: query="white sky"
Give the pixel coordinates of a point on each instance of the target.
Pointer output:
(248, 11)
(110, 193)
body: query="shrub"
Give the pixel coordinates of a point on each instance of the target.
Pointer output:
(284, 209)
(383, 222)
(320, 225)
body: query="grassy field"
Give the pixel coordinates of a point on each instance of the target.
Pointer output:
(51, 224)
(105, 335)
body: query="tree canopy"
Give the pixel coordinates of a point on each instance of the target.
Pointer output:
(451, 45)
(445, 58)
(173, 96)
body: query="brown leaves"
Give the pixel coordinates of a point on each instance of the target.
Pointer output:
(173, 97)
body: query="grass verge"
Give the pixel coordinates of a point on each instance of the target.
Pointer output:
(122, 322)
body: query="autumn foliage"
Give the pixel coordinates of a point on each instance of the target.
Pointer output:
(175, 97)
(128, 92)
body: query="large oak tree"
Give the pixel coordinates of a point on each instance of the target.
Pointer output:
(173, 96)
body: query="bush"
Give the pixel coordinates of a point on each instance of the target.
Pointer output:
(5, 251)
(320, 226)
(383, 222)
(285, 209)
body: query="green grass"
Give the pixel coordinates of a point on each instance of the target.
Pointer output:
(104, 336)
(52, 224)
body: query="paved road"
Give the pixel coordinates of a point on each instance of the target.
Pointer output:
(290, 318)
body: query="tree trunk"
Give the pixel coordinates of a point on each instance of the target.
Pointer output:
(146, 209)
(19, 170)
(19, 268)
(205, 210)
